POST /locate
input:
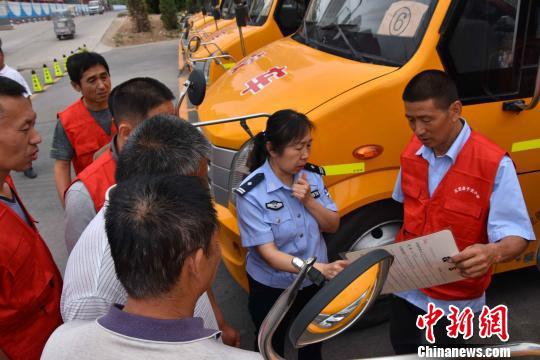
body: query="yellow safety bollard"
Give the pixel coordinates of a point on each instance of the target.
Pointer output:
(36, 84)
(57, 71)
(47, 75)
(84, 48)
(64, 57)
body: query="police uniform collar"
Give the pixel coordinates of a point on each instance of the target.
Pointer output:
(272, 181)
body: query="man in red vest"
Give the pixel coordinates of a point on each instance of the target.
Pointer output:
(130, 103)
(85, 126)
(30, 283)
(453, 178)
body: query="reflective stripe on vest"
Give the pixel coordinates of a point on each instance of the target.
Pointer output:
(460, 203)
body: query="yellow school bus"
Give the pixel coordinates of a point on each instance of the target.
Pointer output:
(210, 25)
(268, 21)
(346, 68)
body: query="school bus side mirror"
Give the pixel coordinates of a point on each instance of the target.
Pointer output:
(342, 301)
(197, 88)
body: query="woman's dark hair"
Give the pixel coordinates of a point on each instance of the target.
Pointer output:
(282, 128)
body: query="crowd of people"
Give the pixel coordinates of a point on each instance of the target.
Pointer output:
(141, 228)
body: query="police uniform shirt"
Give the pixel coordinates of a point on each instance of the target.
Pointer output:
(267, 212)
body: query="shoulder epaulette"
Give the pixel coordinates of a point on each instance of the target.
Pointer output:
(250, 184)
(314, 168)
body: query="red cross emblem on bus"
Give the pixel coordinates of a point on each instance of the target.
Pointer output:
(249, 60)
(259, 82)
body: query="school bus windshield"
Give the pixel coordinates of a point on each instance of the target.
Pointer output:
(385, 32)
(258, 11)
(228, 10)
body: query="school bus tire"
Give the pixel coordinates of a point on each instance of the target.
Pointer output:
(538, 258)
(367, 223)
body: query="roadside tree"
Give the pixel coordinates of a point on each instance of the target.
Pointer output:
(168, 14)
(139, 15)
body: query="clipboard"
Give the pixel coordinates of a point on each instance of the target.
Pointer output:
(419, 263)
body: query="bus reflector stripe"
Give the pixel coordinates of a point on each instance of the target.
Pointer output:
(345, 169)
(526, 145)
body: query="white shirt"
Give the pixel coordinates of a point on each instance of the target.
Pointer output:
(78, 213)
(121, 335)
(14, 75)
(90, 282)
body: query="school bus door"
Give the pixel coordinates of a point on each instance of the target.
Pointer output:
(491, 48)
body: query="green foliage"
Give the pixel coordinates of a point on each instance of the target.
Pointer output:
(168, 14)
(183, 4)
(152, 6)
(139, 14)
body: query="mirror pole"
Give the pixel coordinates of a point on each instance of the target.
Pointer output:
(245, 126)
(278, 312)
(242, 45)
(187, 84)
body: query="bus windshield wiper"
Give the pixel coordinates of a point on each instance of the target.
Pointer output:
(338, 27)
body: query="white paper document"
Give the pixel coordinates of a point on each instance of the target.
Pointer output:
(418, 263)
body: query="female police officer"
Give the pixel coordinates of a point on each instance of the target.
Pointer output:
(282, 208)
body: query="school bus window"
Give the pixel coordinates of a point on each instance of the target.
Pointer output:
(385, 32)
(289, 15)
(532, 50)
(483, 49)
(258, 12)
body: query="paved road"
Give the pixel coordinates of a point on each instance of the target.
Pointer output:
(519, 290)
(29, 45)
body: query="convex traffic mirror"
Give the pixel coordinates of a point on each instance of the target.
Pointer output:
(342, 300)
(197, 87)
(194, 43)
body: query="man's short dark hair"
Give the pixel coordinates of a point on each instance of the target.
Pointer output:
(133, 99)
(432, 84)
(163, 144)
(153, 224)
(9, 87)
(78, 63)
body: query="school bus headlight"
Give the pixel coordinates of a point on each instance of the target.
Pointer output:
(366, 152)
(239, 169)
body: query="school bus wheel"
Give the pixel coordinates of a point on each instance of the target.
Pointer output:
(373, 225)
(538, 258)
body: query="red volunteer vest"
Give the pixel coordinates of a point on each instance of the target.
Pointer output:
(98, 177)
(460, 203)
(30, 286)
(84, 134)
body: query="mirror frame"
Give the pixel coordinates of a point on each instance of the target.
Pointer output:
(333, 288)
(194, 47)
(196, 91)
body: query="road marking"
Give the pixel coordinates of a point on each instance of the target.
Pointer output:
(526, 145)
